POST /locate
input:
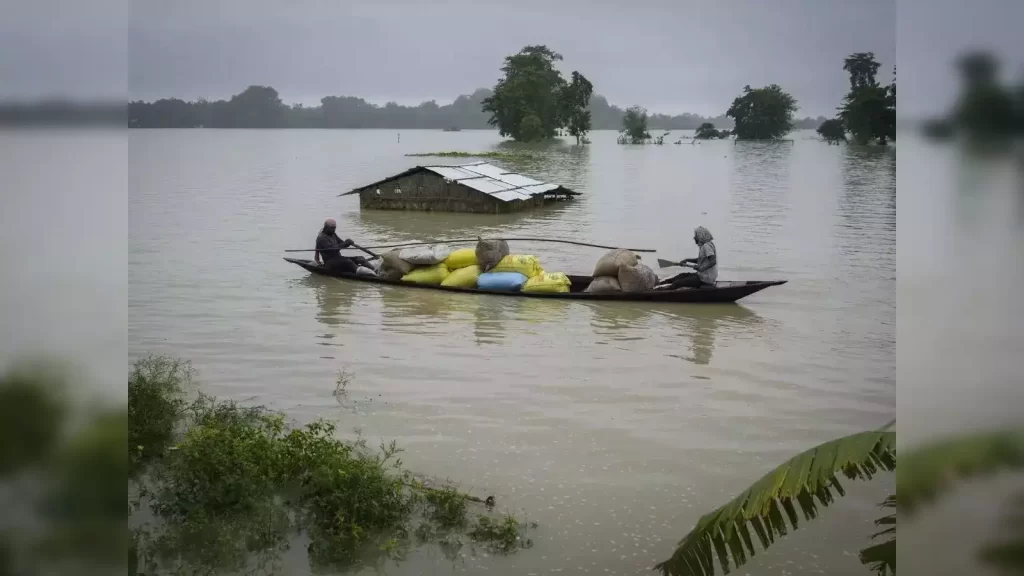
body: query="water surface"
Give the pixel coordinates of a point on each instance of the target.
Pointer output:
(613, 425)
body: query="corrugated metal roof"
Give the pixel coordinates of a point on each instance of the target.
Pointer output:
(488, 179)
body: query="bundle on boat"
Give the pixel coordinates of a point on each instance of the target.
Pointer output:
(620, 270)
(488, 266)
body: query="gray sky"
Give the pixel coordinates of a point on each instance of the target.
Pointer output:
(667, 55)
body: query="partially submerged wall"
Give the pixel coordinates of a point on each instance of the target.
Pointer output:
(426, 191)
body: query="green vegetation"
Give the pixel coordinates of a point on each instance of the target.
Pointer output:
(503, 535)
(532, 101)
(833, 131)
(634, 126)
(762, 113)
(707, 131)
(869, 109)
(496, 154)
(985, 108)
(464, 113)
(574, 107)
(231, 486)
(809, 479)
(64, 467)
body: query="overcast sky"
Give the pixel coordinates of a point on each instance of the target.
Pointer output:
(667, 55)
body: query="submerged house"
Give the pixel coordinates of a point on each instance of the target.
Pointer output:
(479, 187)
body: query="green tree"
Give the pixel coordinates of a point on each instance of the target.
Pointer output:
(256, 107)
(575, 98)
(762, 113)
(985, 108)
(833, 131)
(530, 86)
(707, 131)
(869, 109)
(634, 125)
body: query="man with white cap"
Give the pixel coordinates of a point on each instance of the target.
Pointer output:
(328, 249)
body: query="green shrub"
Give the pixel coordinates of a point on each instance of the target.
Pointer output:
(155, 388)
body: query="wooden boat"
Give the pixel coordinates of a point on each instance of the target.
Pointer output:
(725, 291)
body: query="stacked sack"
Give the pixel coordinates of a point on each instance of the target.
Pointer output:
(620, 270)
(489, 266)
(463, 268)
(419, 264)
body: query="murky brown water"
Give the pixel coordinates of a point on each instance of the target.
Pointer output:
(612, 425)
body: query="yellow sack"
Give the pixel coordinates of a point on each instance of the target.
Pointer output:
(432, 275)
(548, 283)
(528, 266)
(461, 259)
(463, 277)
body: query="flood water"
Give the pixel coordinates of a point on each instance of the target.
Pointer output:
(614, 426)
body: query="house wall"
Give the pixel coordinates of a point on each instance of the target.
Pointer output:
(427, 192)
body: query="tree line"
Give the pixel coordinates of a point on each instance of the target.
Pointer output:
(531, 101)
(353, 112)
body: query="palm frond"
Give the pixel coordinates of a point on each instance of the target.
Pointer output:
(804, 481)
(882, 557)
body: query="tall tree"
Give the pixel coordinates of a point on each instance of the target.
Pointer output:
(985, 108)
(869, 109)
(530, 86)
(634, 125)
(575, 98)
(762, 113)
(863, 68)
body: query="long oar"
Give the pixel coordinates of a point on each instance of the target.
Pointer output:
(356, 246)
(467, 240)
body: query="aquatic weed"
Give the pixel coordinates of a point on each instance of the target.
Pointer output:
(504, 535)
(448, 506)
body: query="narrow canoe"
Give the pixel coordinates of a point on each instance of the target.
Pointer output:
(724, 291)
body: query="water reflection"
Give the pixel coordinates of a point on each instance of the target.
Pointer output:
(619, 320)
(867, 206)
(759, 189)
(700, 324)
(335, 301)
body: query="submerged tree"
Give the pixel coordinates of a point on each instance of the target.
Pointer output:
(532, 87)
(634, 125)
(833, 131)
(985, 108)
(762, 113)
(575, 98)
(869, 109)
(707, 131)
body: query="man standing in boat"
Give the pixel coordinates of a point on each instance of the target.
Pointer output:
(328, 249)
